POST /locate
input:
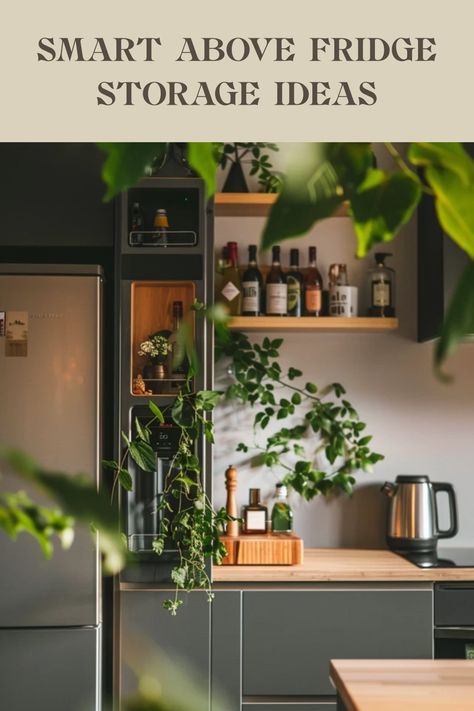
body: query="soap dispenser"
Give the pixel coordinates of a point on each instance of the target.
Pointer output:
(381, 287)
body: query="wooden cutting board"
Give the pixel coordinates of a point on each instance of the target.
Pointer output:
(264, 549)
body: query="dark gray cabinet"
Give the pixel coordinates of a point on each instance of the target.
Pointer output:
(285, 706)
(288, 637)
(146, 626)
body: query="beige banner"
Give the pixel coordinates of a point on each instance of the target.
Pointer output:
(337, 97)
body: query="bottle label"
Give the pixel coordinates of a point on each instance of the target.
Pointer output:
(294, 294)
(277, 299)
(312, 299)
(381, 293)
(251, 297)
(230, 291)
(255, 521)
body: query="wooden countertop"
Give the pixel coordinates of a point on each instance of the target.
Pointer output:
(340, 565)
(410, 685)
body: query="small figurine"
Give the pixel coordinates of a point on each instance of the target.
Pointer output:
(139, 387)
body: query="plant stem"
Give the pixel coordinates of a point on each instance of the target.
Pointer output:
(405, 168)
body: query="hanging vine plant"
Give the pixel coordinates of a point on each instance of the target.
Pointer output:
(193, 525)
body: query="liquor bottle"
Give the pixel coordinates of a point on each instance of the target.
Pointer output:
(381, 287)
(313, 287)
(276, 287)
(255, 514)
(137, 223)
(343, 299)
(282, 515)
(231, 292)
(221, 265)
(161, 226)
(295, 280)
(252, 284)
(177, 357)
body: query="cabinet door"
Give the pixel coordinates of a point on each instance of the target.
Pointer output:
(184, 640)
(226, 682)
(290, 636)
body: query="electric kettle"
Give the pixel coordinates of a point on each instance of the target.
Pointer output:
(412, 525)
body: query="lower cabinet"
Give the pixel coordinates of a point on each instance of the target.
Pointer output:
(288, 637)
(269, 649)
(170, 649)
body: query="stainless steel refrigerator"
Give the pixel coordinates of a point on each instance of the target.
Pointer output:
(50, 614)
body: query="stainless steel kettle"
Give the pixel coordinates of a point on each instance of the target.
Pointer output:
(412, 525)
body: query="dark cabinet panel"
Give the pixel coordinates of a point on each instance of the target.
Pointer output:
(290, 636)
(226, 650)
(53, 196)
(184, 638)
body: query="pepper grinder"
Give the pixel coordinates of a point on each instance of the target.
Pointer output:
(232, 528)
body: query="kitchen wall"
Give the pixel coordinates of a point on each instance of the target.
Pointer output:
(421, 425)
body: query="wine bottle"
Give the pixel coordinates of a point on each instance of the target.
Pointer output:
(276, 288)
(252, 284)
(313, 287)
(161, 226)
(231, 291)
(295, 280)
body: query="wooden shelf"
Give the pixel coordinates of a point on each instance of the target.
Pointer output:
(308, 323)
(251, 205)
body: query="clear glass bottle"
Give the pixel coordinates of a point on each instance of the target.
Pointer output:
(313, 287)
(381, 287)
(295, 280)
(252, 284)
(254, 514)
(221, 264)
(161, 226)
(282, 515)
(276, 287)
(231, 291)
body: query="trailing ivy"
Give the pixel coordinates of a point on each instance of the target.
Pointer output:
(325, 415)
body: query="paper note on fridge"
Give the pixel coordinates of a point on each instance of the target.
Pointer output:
(16, 333)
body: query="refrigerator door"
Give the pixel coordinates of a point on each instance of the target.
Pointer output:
(49, 407)
(49, 669)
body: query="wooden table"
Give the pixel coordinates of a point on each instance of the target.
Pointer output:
(404, 684)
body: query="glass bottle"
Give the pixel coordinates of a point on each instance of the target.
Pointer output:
(276, 287)
(381, 287)
(295, 281)
(176, 357)
(231, 291)
(252, 284)
(313, 287)
(282, 515)
(161, 226)
(221, 264)
(255, 514)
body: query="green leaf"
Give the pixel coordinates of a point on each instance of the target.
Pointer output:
(126, 163)
(381, 206)
(296, 399)
(142, 432)
(125, 479)
(311, 388)
(203, 158)
(459, 320)
(449, 171)
(155, 410)
(143, 454)
(207, 399)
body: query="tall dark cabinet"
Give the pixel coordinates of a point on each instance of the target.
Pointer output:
(159, 269)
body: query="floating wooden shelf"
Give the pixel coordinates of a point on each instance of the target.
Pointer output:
(251, 205)
(309, 323)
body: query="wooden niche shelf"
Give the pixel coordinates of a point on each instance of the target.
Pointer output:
(308, 323)
(252, 205)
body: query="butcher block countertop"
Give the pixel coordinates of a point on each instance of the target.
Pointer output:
(404, 685)
(340, 565)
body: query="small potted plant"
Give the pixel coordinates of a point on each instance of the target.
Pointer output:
(156, 349)
(254, 154)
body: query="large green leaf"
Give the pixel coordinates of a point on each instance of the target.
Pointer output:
(449, 172)
(382, 205)
(126, 163)
(318, 180)
(79, 498)
(459, 320)
(203, 158)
